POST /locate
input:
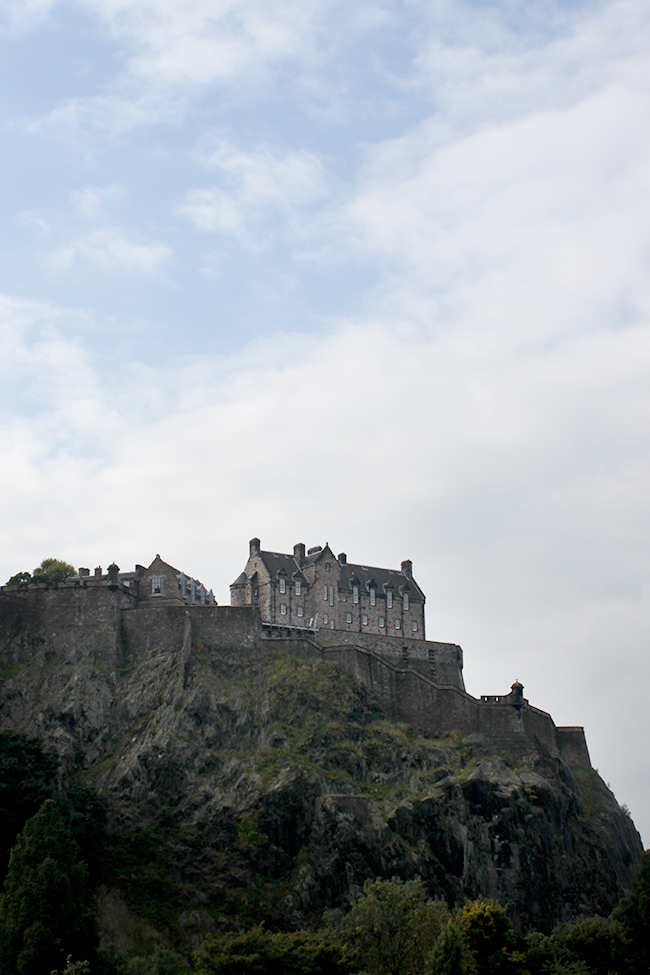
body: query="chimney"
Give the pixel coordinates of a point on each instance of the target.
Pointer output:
(343, 558)
(98, 570)
(254, 546)
(113, 571)
(299, 553)
(84, 572)
(407, 568)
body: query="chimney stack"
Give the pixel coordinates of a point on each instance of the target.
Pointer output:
(407, 568)
(299, 553)
(343, 558)
(254, 546)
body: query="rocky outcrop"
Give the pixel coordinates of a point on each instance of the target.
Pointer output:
(278, 786)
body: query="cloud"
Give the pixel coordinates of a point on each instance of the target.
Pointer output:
(259, 182)
(90, 202)
(109, 250)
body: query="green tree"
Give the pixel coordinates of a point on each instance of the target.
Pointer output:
(450, 954)
(44, 915)
(20, 579)
(488, 933)
(393, 926)
(633, 913)
(53, 570)
(27, 778)
(258, 952)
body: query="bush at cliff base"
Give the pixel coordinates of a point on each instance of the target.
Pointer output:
(44, 916)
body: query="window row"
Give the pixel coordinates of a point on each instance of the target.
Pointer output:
(328, 596)
(296, 588)
(299, 610)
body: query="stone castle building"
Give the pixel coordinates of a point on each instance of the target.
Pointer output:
(313, 605)
(318, 590)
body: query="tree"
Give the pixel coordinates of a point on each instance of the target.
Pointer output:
(53, 570)
(633, 913)
(393, 926)
(44, 916)
(450, 954)
(488, 933)
(20, 579)
(27, 778)
(258, 952)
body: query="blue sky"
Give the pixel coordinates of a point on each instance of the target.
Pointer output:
(372, 274)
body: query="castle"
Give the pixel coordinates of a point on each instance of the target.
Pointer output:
(314, 605)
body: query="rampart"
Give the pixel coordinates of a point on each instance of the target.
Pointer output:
(418, 682)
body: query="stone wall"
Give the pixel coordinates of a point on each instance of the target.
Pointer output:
(415, 681)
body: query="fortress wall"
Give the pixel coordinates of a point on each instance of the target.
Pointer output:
(227, 628)
(70, 620)
(445, 658)
(573, 746)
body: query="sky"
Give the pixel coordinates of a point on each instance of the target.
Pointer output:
(372, 274)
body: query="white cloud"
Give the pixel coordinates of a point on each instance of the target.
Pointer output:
(110, 250)
(259, 182)
(90, 202)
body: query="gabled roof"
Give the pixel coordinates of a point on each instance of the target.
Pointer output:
(383, 578)
(316, 556)
(274, 561)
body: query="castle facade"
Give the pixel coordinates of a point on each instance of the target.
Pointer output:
(317, 590)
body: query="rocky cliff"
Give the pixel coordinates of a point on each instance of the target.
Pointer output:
(264, 786)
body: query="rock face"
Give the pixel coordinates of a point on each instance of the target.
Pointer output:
(277, 786)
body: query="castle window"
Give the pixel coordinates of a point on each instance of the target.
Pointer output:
(348, 617)
(355, 594)
(364, 620)
(283, 585)
(157, 585)
(299, 611)
(331, 624)
(327, 566)
(373, 596)
(389, 599)
(405, 600)
(331, 595)
(414, 626)
(398, 625)
(325, 618)
(297, 587)
(283, 609)
(325, 593)
(382, 621)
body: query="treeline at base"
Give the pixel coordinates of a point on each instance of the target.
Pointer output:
(57, 856)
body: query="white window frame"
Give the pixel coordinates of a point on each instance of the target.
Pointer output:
(297, 587)
(300, 611)
(405, 600)
(414, 626)
(283, 586)
(382, 622)
(157, 585)
(325, 619)
(331, 588)
(373, 596)
(348, 617)
(283, 609)
(398, 624)
(355, 594)
(389, 599)
(324, 594)
(364, 620)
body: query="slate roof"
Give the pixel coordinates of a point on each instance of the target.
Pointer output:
(382, 577)
(274, 561)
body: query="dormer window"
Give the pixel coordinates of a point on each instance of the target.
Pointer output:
(283, 585)
(297, 588)
(405, 600)
(157, 585)
(389, 599)
(373, 596)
